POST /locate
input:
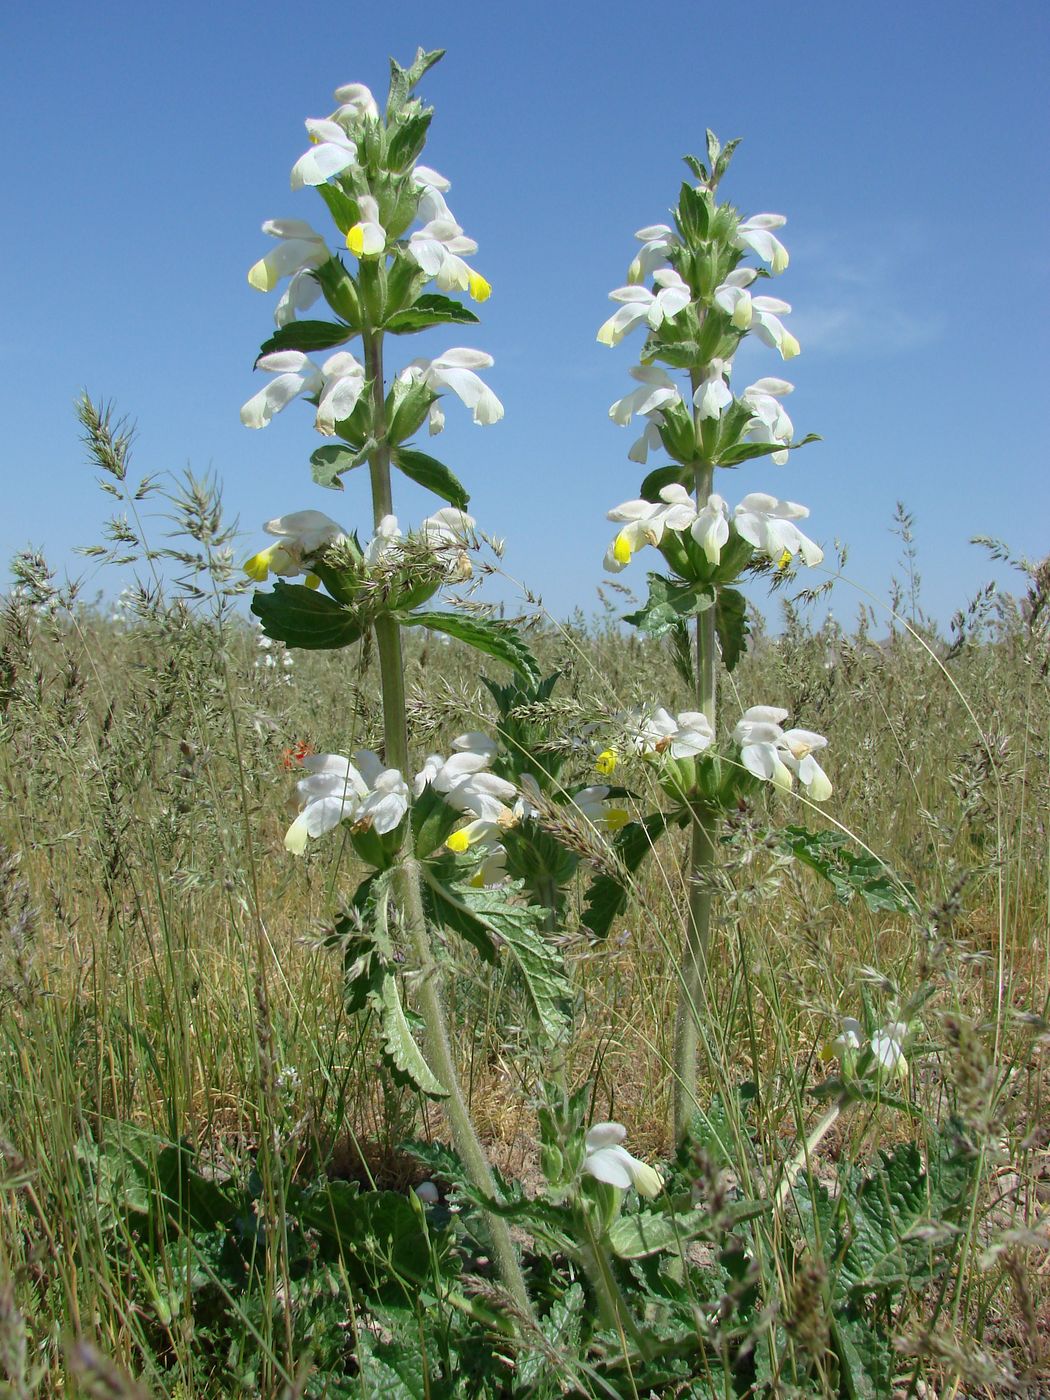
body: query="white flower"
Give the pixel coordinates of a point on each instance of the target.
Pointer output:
(734, 299)
(474, 753)
(712, 394)
(657, 390)
(710, 529)
(299, 295)
(756, 233)
(344, 382)
(438, 248)
(646, 523)
(770, 329)
(386, 802)
(332, 151)
(493, 867)
(657, 241)
(448, 533)
(295, 374)
(299, 535)
(606, 1160)
(639, 304)
(766, 523)
(334, 790)
(367, 238)
(797, 746)
(487, 798)
(770, 422)
(850, 1037)
(383, 543)
(455, 370)
(427, 178)
(682, 736)
(593, 803)
(773, 754)
(355, 101)
(887, 1046)
(759, 733)
(301, 247)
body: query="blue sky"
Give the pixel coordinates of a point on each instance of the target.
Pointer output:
(905, 143)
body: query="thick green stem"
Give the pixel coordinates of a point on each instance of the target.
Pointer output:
(409, 881)
(693, 968)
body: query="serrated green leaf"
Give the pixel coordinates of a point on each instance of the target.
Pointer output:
(498, 639)
(830, 854)
(731, 625)
(307, 336)
(302, 617)
(399, 1047)
(867, 1359)
(608, 895)
(431, 474)
(403, 80)
(669, 601)
(745, 451)
(328, 464)
(430, 309)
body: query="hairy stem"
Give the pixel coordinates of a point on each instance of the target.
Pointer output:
(408, 884)
(693, 967)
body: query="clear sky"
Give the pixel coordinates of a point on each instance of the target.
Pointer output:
(906, 143)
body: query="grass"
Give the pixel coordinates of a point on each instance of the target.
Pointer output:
(164, 974)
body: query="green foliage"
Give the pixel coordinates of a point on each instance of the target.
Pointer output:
(328, 463)
(429, 309)
(497, 639)
(731, 625)
(431, 474)
(670, 600)
(302, 617)
(608, 895)
(307, 336)
(830, 854)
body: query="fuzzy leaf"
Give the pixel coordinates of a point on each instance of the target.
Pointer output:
(307, 336)
(403, 80)
(431, 474)
(302, 617)
(430, 309)
(665, 476)
(498, 639)
(399, 1047)
(608, 895)
(407, 141)
(343, 209)
(731, 625)
(669, 602)
(328, 464)
(829, 854)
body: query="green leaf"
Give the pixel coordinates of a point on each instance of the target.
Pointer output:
(407, 141)
(681, 644)
(302, 617)
(498, 639)
(430, 309)
(514, 929)
(307, 336)
(431, 474)
(608, 894)
(829, 853)
(340, 291)
(731, 625)
(343, 209)
(867, 1359)
(665, 476)
(652, 1232)
(399, 1047)
(670, 600)
(329, 463)
(745, 451)
(697, 167)
(403, 80)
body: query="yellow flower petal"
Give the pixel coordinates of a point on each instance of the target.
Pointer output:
(606, 761)
(479, 289)
(258, 566)
(622, 549)
(459, 841)
(355, 240)
(616, 819)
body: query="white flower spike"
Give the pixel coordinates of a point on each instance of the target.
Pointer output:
(331, 153)
(713, 395)
(639, 304)
(344, 382)
(770, 422)
(607, 1160)
(367, 238)
(710, 529)
(657, 241)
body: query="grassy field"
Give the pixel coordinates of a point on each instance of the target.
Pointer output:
(165, 979)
